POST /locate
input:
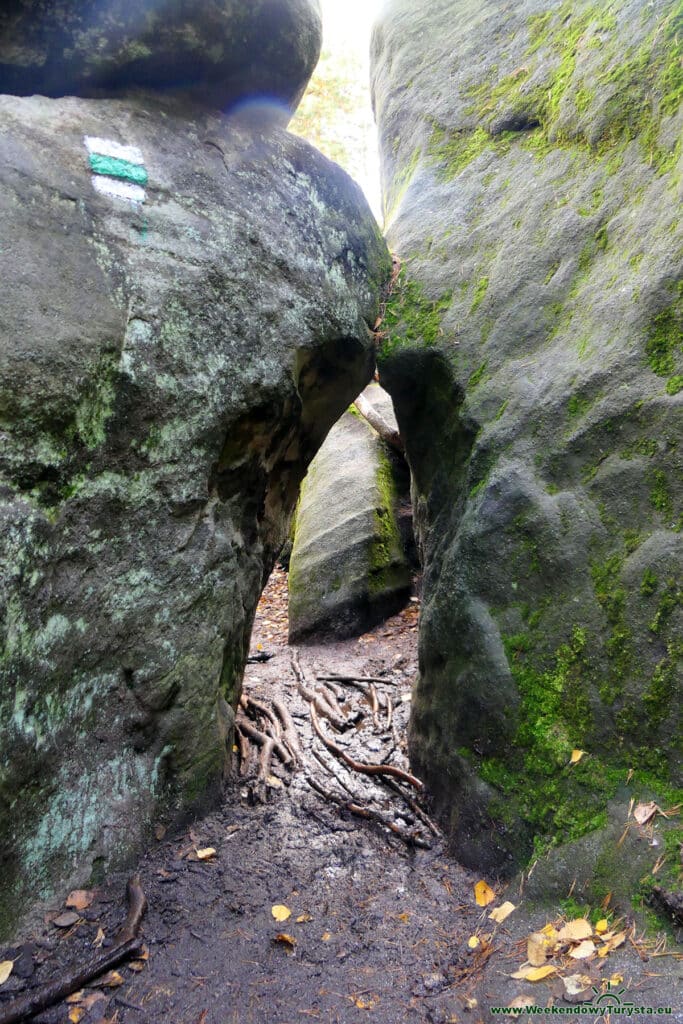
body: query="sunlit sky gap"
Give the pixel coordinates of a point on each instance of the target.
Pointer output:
(336, 115)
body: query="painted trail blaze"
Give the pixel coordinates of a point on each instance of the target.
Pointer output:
(118, 171)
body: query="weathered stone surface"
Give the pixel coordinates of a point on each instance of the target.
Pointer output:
(167, 371)
(532, 167)
(220, 51)
(348, 569)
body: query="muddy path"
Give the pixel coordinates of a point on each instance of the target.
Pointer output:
(376, 921)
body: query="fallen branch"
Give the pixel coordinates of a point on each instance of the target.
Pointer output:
(360, 766)
(366, 812)
(378, 423)
(355, 679)
(127, 944)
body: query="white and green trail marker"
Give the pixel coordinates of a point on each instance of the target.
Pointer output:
(117, 171)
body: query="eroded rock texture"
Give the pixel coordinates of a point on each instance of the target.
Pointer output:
(168, 368)
(532, 173)
(349, 568)
(222, 51)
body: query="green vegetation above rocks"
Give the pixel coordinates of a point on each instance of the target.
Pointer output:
(410, 316)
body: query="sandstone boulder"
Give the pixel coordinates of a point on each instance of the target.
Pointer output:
(175, 342)
(220, 51)
(532, 166)
(348, 568)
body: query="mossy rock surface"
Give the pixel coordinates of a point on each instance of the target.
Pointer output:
(168, 369)
(221, 52)
(532, 161)
(348, 569)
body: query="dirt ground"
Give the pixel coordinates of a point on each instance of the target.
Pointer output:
(376, 923)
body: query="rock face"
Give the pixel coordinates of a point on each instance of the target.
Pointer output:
(222, 51)
(348, 568)
(532, 164)
(168, 368)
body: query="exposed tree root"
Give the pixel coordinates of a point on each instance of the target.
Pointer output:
(368, 813)
(321, 705)
(360, 766)
(355, 679)
(289, 734)
(126, 944)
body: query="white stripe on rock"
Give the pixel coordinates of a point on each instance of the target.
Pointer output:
(106, 147)
(119, 189)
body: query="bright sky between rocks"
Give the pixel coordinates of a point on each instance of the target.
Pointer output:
(335, 114)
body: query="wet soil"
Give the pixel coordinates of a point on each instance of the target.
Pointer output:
(380, 924)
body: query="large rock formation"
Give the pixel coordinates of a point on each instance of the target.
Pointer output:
(222, 51)
(348, 568)
(168, 368)
(532, 163)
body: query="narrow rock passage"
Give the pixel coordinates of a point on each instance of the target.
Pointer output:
(372, 929)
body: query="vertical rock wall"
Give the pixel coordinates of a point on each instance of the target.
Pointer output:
(532, 168)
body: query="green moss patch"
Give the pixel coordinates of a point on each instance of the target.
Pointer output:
(411, 317)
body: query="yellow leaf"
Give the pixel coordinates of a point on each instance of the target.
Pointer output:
(537, 949)
(206, 854)
(76, 997)
(575, 931)
(99, 938)
(326, 936)
(79, 899)
(576, 756)
(483, 894)
(500, 913)
(280, 912)
(618, 940)
(111, 980)
(538, 973)
(603, 951)
(302, 918)
(5, 970)
(616, 979)
(363, 1005)
(583, 950)
(405, 917)
(76, 1013)
(473, 942)
(534, 973)
(285, 939)
(137, 965)
(602, 926)
(274, 782)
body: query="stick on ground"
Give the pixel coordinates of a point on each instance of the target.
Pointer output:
(126, 945)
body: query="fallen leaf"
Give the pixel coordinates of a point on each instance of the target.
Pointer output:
(79, 899)
(111, 980)
(583, 950)
(363, 1005)
(280, 912)
(520, 1003)
(575, 931)
(76, 1013)
(285, 939)
(326, 936)
(137, 965)
(551, 934)
(602, 926)
(576, 756)
(483, 894)
(470, 1003)
(500, 913)
(76, 997)
(405, 917)
(473, 942)
(274, 782)
(603, 951)
(91, 999)
(617, 941)
(534, 973)
(99, 938)
(537, 949)
(643, 812)
(66, 920)
(5, 970)
(616, 979)
(144, 953)
(206, 854)
(576, 984)
(302, 918)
